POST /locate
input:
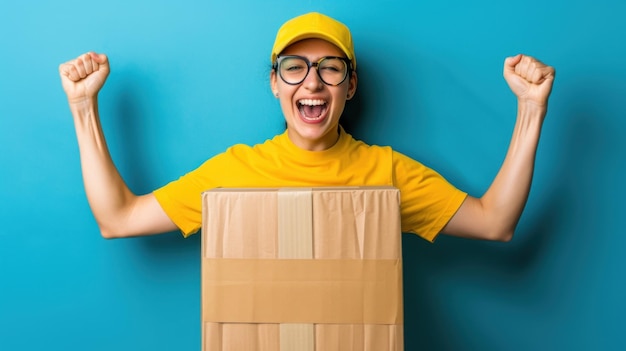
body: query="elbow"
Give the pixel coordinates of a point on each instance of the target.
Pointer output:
(107, 232)
(501, 228)
(504, 235)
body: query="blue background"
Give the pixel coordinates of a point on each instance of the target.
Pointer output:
(190, 78)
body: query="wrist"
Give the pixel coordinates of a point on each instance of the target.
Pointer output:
(81, 100)
(85, 113)
(82, 105)
(531, 110)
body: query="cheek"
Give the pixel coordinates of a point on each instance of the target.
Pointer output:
(341, 95)
(286, 103)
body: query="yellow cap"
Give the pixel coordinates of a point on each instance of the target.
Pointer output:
(314, 25)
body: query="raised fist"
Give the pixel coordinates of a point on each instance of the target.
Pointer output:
(83, 77)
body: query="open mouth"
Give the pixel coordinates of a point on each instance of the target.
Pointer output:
(312, 110)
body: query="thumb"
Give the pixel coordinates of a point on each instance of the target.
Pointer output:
(511, 62)
(509, 66)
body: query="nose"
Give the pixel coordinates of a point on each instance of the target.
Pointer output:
(312, 81)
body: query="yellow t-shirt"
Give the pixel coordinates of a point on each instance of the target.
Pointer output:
(428, 201)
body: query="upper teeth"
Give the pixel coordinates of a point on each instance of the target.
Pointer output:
(311, 102)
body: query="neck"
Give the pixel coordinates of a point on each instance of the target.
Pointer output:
(324, 143)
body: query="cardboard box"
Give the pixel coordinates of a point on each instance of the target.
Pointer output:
(311, 269)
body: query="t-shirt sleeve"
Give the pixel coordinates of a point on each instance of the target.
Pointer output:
(428, 201)
(181, 199)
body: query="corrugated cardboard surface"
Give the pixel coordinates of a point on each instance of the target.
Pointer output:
(271, 284)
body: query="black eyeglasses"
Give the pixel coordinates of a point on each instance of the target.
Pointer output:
(332, 70)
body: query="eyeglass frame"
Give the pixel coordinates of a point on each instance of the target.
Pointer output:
(315, 64)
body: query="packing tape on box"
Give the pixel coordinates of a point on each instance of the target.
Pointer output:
(302, 291)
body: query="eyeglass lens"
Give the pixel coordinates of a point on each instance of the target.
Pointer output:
(293, 69)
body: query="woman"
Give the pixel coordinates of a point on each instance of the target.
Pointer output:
(314, 74)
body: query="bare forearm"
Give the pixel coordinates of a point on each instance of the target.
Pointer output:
(107, 193)
(506, 198)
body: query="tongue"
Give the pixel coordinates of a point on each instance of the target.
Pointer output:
(312, 111)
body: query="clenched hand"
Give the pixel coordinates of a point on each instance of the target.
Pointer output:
(83, 77)
(529, 79)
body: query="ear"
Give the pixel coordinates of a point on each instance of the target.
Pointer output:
(274, 83)
(352, 85)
